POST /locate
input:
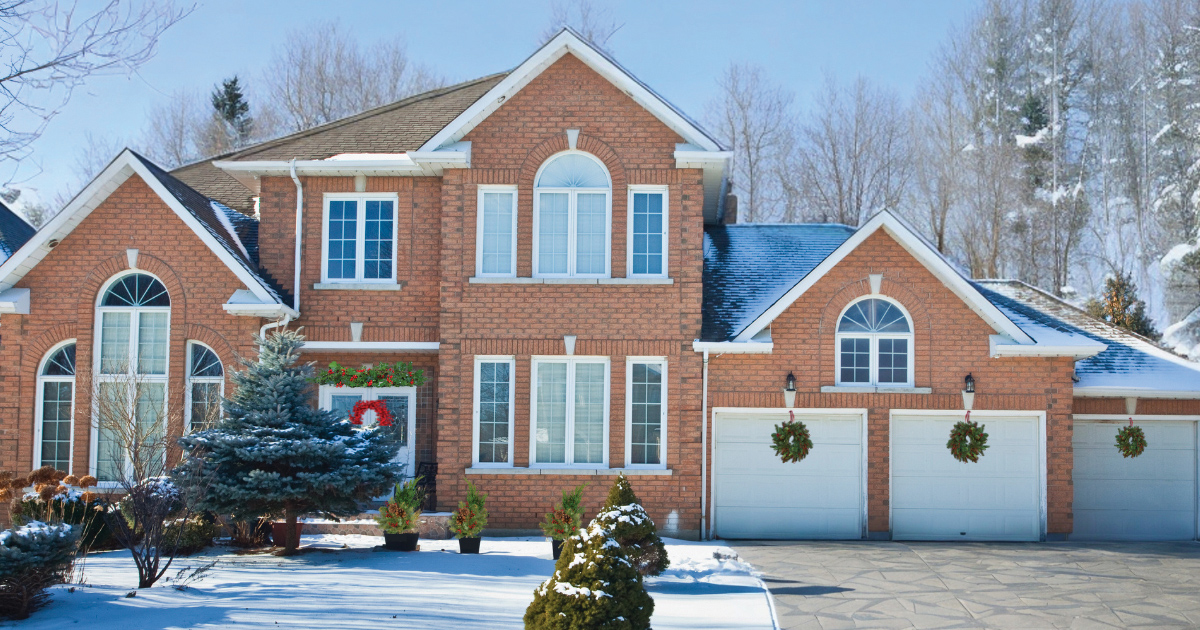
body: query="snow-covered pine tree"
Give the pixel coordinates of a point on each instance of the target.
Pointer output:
(275, 454)
(594, 586)
(632, 528)
(1120, 305)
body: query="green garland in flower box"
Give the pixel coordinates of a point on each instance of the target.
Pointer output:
(399, 374)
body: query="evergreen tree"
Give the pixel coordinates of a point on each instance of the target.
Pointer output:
(633, 529)
(594, 586)
(1120, 305)
(275, 454)
(233, 110)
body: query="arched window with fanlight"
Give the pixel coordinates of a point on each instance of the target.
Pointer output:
(132, 332)
(206, 386)
(572, 223)
(875, 344)
(54, 424)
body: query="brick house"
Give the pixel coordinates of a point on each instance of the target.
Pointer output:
(552, 245)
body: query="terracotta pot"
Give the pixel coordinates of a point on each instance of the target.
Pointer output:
(469, 545)
(279, 533)
(556, 547)
(401, 542)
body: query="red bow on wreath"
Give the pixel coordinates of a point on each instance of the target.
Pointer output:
(378, 406)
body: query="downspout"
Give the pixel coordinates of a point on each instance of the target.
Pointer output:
(299, 231)
(279, 323)
(704, 534)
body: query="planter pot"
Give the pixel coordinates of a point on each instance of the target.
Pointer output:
(401, 542)
(469, 545)
(279, 533)
(556, 547)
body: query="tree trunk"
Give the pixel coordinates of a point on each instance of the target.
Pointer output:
(292, 541)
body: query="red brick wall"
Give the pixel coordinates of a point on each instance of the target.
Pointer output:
(1145, 406)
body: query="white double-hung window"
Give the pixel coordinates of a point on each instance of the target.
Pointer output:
(646, 412)
(493, 426)
(496, 232)
(569, 411)
(647, 232)
(359, 243)
(572, 217)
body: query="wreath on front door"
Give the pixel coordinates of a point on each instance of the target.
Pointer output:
(382, 414)
(967, 441)
(1131, 440)
(791, 440)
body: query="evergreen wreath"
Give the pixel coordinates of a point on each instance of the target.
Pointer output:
(1131, 440)
(791, 440)
(967, 441)
(382, 413)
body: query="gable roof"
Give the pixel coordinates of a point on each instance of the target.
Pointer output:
(14, 231)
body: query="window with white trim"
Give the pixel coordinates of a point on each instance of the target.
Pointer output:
(493, 428)
(569, 411)
(572, 217)
(359, 243)
(646, 412)
(133, 327)
(874, 345)
(496, 241)
(56, 408)
(647, 231)
(205, 387)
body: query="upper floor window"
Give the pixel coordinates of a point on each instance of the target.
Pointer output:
(55, 409)
(360, 238)
(206, 385)
(647, 231)
(496, 240)
(572, 218)
(875, 344)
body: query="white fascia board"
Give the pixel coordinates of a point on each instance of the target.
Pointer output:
(1134, 392)
(244, 303)
(691, 156)
(373, 346)
(14, 301)
(916, 247)
(734, 347)
(563, 43)
(1000, 346)
(412, 164)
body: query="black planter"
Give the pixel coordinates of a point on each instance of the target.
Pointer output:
(556, 548)
(469, 545)
(401, 542)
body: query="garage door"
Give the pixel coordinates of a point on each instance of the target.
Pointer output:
(1149, 497)
(936, 497)
(758, 496)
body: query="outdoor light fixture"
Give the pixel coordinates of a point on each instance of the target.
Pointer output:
(969, 393)
(789, 392)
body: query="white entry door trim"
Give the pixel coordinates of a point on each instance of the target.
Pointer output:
(981, 417)
(782, 415)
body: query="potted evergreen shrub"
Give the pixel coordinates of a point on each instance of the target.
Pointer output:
(469, 519)
(564, 520)
(399, 517)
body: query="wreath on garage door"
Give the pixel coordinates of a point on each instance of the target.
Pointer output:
(967, 441)
(791, 440)
(1131, 440)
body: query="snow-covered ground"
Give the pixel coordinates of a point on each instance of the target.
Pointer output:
(344, 583)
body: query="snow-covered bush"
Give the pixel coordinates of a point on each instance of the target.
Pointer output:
(33, 558)
(633, 529)
(594, 586)
(76, 507)
(192, 534)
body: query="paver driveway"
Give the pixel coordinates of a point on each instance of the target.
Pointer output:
(980, 585)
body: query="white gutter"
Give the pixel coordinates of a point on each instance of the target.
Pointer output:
(704, 535)
(734, 347)
(299, 231)
(1103, 391)
(1000, 347)
(413, 163)
(372, 346)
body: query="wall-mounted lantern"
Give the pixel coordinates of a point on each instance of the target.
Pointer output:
(789, 392)
(968, 393)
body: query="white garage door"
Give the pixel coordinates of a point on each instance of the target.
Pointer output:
(936, 497)
(1149, 497)
(758, 496)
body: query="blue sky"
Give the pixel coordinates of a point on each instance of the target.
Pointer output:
(678, 47)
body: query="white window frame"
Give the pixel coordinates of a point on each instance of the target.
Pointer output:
(572, 224)
(666, 230)
(360, 227)
(874, 347)
(569, 449)
(512, 381)
(187, 392)
(327, 392)
(512, 263)
(662, 456)
(39, 410)
(99, 378)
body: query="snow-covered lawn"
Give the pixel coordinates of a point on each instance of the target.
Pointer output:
(354, 586)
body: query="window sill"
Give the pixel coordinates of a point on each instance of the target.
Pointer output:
(569, 471)
(358, 286)
(849, 389)
(492, 280)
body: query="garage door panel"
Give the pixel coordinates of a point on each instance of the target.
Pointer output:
(951, 524)
(831, 429)
(781, 491)
(944, 493)
(1117, 494)
(784, 523)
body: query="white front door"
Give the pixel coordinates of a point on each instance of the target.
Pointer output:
(756, 495)
(936, 497)
(400, 401)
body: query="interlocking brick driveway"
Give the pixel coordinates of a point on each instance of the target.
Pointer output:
(980, 585)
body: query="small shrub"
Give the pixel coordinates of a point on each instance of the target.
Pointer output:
(594, 586)
(471, 516)
(567, 516)
(82, 508)
(197, 533)
(33, 558)
(249, 533)
(633, 529)
(401, 513)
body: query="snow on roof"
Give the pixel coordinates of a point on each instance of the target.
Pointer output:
(364, 157)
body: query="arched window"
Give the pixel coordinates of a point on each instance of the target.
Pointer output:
(133, 331)
(875, 345)
(55, 408)
(206, 385)
(572, 223)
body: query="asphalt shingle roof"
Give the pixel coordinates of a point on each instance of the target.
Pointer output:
(14, 231)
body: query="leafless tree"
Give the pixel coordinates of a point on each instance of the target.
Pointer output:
(594, 24)
(173, 130)
(938, 142)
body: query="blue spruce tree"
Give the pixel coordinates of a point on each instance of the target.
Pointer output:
(274, 454)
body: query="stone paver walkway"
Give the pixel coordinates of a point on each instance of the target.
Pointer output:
(980, 585)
